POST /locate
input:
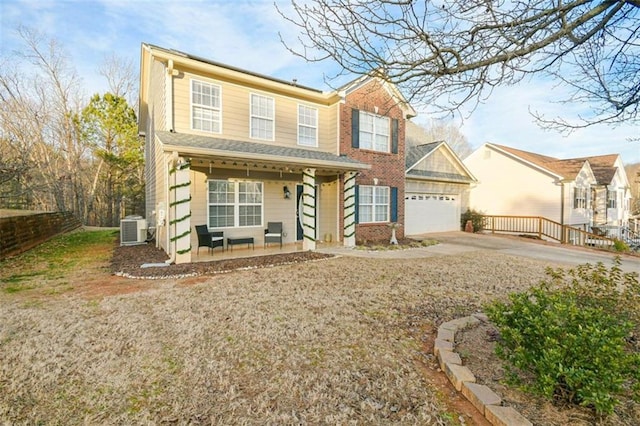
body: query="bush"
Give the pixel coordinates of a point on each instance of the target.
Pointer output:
(571, 339)
(620, 246)
(476, 218)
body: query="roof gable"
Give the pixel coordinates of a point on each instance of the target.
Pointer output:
(437, 161)
(390, 88)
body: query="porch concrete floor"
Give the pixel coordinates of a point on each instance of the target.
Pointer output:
(241, 250)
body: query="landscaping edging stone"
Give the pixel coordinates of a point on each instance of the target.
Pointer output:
(482, 397)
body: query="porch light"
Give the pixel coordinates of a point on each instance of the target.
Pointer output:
(287, 193)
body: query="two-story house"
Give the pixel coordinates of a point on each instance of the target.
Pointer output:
(234, 150)
(582, 192)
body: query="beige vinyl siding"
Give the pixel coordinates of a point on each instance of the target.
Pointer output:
(619, 215)
(161, 172)
(580, 217)
(279, 209)
(236, 114)
(327, 208)
(156, 108)
(441, 161)
(509, 187)
(275, 207)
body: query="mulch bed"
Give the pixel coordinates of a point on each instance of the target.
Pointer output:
(127, 261)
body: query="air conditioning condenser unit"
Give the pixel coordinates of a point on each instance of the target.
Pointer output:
(133, 231)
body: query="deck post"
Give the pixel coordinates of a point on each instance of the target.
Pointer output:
(540, 227)
(309, 209)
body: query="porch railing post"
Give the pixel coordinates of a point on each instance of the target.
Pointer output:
(309, 209)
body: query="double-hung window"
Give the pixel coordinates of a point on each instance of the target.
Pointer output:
(206, 109)
(307, 126)
(249, 203)
(580, 198)
(612, 199)
(373, 204)
(234, 204)
(262, 117)
(374, 132)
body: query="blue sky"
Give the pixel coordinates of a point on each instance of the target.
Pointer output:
(244, 33)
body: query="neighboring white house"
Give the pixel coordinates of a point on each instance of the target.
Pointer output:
(579, 192)
(437, 188)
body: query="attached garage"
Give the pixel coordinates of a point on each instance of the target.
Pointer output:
(437, 187)
(431, 213)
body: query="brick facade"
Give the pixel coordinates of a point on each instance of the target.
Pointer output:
(388, 168)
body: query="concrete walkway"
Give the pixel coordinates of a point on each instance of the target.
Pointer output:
(455, 243)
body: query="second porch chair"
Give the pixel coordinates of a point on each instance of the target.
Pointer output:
(273, 233)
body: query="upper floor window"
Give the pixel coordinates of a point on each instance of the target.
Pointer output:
(374, 132)
(206, 110)
(307, 126)
(373, 204)
(262, 117)
(612, 199)
(580, 198)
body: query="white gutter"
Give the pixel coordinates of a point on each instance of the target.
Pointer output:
(242, 156)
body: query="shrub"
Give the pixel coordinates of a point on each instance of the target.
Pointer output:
(571, 338)
(476, 218)
(620, 246)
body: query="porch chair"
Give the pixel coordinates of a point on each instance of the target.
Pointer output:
(209, 239)
(273, 233)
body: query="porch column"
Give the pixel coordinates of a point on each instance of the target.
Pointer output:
(309, 209)
(350, 209)
(180, 222)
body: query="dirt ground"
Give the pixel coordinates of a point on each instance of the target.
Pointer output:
(286, 339)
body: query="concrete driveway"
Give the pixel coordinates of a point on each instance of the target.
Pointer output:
(454, 243)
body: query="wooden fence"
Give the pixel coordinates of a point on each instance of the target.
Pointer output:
(544, 228)
(20, 233)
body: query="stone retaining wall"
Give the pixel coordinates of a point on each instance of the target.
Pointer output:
(21, 233)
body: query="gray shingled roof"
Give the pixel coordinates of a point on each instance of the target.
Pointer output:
(448, 177)
(240, 148)
(417, 153)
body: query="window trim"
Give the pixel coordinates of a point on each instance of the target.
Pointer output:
(252, 115)
(580, 197)
(192, 104)
(374, 204)
(375, 132)
(612, 202)
(315, 127)
(236, 204)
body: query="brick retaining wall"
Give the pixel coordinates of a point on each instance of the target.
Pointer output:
(21, 233)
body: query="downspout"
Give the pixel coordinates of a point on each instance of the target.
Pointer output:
(169, 124)
(169, 95)
(562, 204)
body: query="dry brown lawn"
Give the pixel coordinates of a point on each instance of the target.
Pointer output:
(338, 341)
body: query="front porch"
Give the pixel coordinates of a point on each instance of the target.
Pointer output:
(205, 255)
(237, 188)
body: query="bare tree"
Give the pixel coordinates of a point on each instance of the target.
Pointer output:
(438, 131)
(446, 54)
(121, 77)
(39, 96)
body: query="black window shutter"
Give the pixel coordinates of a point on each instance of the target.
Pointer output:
(394, 136)
(357, 204)
(355, 128)
(394, 204)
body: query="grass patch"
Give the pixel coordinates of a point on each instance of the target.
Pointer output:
(51, 263)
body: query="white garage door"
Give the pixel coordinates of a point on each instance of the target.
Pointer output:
(431, 213)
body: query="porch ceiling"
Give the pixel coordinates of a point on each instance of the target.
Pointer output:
(240, 154)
